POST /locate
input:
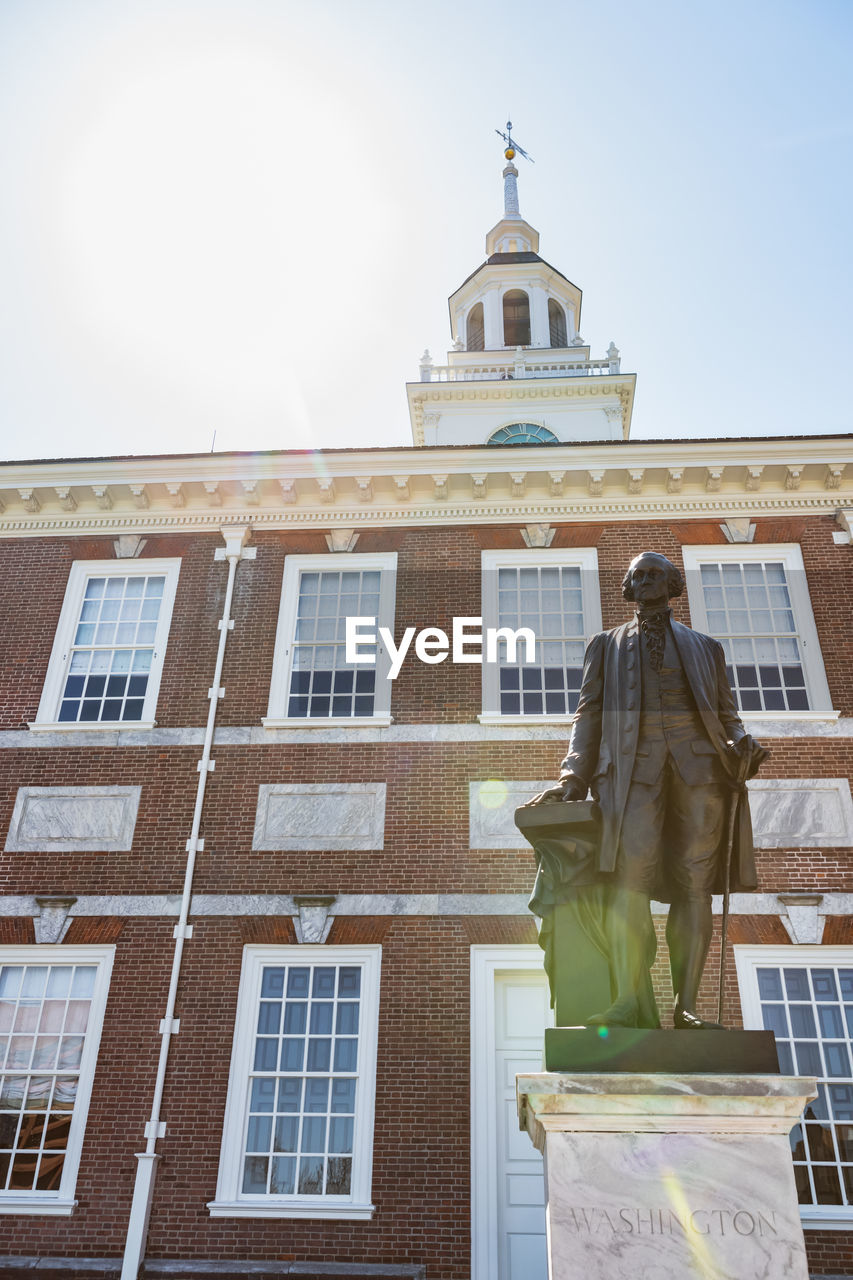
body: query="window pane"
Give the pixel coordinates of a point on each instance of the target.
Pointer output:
(338, 1180)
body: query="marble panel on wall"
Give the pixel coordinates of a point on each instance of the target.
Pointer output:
(801, 812)
(66, 819)
(491, 808)
(323, 815)
(786, 812)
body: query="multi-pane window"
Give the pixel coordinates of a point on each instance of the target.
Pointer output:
(554, 596)
(113, 648)
(312, 679)
(748, 607)
(322, 682)
(299, 1136)
(299, 1125)
(754, 600)
(109, 646)
(49, 1015)
(805, 997)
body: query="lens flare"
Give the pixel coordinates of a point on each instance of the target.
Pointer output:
(493, 794)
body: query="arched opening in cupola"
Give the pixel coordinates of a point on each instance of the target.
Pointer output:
(516, 319)
(557, 324)
(475, 329)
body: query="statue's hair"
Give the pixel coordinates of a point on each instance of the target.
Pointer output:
(674, 577)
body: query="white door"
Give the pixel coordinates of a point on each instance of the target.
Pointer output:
(521, 1015)
(509, 1191)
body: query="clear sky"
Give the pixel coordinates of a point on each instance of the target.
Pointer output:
(246, 215)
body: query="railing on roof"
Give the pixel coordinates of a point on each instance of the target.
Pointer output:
(517, 369)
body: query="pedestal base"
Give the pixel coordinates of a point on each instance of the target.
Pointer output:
(668, 1176)
(608, 1050)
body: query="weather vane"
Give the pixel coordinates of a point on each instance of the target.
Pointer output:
(511, 144)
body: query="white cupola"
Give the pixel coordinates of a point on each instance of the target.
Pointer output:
(516, 320)
(515, 299)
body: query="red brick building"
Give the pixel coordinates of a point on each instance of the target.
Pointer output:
(266, 968)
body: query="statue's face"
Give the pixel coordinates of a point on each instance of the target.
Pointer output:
(650, 580)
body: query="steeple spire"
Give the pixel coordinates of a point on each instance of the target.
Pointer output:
(511, 191)
(510, 174)
(512, 234)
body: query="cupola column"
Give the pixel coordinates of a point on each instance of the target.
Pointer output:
(493, 318)
(540, 331)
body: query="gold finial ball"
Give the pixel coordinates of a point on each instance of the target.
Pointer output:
(510, 153)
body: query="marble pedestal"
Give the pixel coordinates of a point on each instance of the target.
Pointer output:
(668, 1177)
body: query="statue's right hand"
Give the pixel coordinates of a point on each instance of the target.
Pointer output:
(571, 789)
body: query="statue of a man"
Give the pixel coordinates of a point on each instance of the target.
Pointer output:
(658, 740)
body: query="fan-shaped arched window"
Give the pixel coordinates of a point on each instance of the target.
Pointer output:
(516, 319)
(475, 332)
(557, 324)
(522, 433)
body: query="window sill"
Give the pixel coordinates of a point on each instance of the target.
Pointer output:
(818, 717)
(328, 722)
(28, 1205)
(280, 1209)
(826, 716)
(88, 726)
(494, 717)
(814, 1218)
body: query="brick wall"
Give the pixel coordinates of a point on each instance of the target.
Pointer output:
(438, 577)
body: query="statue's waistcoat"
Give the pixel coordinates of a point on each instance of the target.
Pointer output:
(670, 723)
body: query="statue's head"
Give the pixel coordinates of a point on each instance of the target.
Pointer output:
(652, 579)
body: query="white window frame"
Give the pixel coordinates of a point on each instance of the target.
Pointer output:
(584, 558)
(294, 567)
(791, 556)
(748, 958)
(61, 1203)
(230, 1200)
(81, 572)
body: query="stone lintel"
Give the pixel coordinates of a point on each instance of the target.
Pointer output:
(637, 1102)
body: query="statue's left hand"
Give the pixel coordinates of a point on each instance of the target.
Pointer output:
(750, 756)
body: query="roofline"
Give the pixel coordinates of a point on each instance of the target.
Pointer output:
(410, 448)
(544, 262)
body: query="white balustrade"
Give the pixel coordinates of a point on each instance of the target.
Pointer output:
(513, 369)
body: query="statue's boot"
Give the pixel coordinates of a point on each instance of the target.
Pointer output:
(687, 1020)
(622, 1013)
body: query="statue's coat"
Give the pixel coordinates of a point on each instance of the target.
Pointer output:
(603, 744)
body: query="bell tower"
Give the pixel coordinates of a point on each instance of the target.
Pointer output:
(515, 320)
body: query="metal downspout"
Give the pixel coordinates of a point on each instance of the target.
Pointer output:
(143, 1190)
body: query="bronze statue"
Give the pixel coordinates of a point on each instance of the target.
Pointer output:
(658, 741)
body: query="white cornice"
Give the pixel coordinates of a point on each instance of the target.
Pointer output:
(375, 488)
(549, 393)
